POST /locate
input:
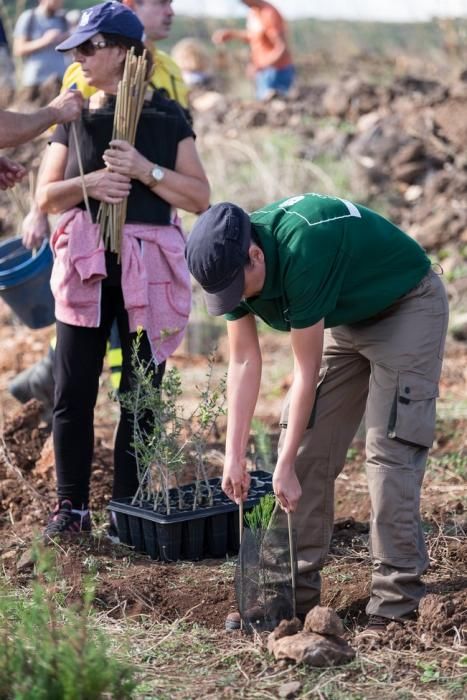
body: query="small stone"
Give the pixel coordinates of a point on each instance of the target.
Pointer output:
(312, 649)
(286, 628)
(208, 101)
(289, 690)
(323, 621)
(26, 561)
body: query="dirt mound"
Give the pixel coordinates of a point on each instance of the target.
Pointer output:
(442, 618)
(405, 140)
(24, 438)
(27, 471)
(170, 592)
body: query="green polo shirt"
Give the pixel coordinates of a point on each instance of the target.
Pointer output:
(328, 258)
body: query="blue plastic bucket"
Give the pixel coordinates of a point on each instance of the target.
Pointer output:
(25, 282)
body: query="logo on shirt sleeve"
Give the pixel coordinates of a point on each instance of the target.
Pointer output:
(293, 200)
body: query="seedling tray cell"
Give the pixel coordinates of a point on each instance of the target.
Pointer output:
(217, 527)
(187, 534)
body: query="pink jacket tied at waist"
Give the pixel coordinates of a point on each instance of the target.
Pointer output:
(155, 280)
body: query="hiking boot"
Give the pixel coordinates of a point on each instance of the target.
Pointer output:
(36, 382)
(232, 622)
(64, 522)
(233, 619)
(376, 627)
(254, 617)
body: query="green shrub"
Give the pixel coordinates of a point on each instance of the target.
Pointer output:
(52, 653)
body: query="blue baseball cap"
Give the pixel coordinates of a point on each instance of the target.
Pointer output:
(217, 252)
(107, 17)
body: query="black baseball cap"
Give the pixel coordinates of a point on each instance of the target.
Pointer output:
(108, 18)
(216, 254)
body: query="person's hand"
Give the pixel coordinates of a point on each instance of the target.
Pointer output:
(10, 173)
(287, 488)
(53, 37)
(107, 186)
(35, 228)
(236, 480)
(67, 106)
(220, 36)
(123, 158)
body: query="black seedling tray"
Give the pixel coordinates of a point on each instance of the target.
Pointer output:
(207, 531)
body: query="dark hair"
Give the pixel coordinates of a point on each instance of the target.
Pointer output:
(126, 43)
(255, 238)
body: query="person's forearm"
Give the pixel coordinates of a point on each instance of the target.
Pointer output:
(185, 187)
(239, 35)
(56, 197)
(307, 347)
(15, 128)
(183, 191)
(22, 47)
(26, 48)
(243, 382)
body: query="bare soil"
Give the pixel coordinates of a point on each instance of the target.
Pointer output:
(130, 584)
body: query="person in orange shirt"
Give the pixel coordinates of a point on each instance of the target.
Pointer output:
(271, 61)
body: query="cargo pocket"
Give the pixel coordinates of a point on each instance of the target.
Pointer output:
(394, 528)
(284, 419)
(413, 415)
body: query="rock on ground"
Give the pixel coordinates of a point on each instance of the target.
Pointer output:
(319, 644)
(312, 649)
(323, 621)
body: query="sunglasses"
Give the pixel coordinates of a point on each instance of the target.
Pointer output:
(89, 47)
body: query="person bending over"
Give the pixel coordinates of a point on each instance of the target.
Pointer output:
(367, 319)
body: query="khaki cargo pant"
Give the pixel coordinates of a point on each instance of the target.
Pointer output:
(389, 365)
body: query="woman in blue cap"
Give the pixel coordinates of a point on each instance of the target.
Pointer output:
(148, 286)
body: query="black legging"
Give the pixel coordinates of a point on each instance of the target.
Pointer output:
(79, 357)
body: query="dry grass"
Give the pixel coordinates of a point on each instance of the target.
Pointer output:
(272, 161)
(183, 662)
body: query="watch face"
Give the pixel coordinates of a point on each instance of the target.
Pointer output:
(157, 174)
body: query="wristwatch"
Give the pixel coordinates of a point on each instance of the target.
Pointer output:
(157, 175)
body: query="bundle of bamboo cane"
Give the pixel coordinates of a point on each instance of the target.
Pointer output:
(129, 104)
